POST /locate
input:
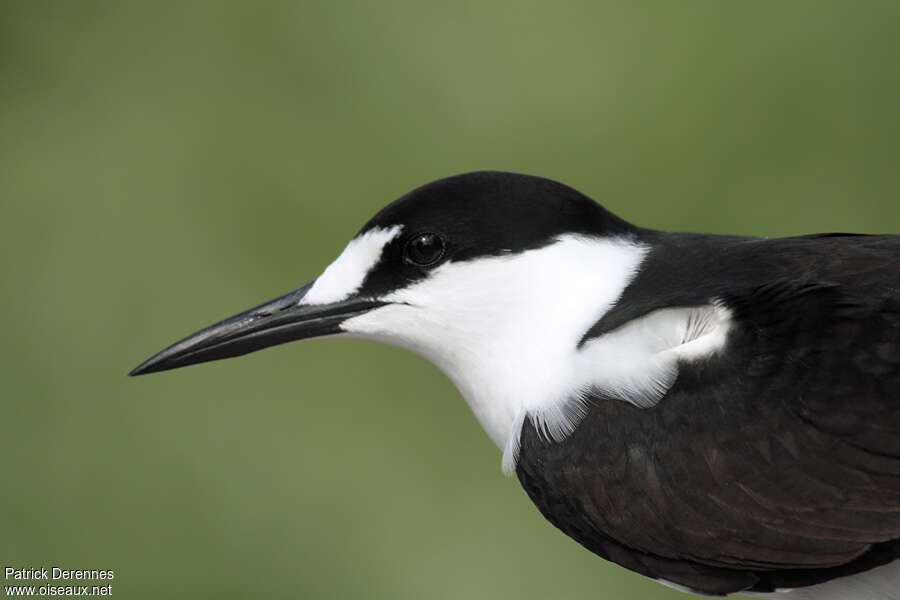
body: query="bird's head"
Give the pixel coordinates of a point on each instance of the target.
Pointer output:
(494, 277)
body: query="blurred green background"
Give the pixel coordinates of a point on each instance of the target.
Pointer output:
(163, 165)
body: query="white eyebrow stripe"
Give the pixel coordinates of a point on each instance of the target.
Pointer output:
(346, 274)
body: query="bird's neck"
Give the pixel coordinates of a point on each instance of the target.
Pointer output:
(506, 329)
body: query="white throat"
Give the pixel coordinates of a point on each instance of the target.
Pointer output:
(506, 329)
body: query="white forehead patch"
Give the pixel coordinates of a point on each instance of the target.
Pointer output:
(344, 276)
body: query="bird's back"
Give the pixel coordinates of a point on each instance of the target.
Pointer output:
(774, 463)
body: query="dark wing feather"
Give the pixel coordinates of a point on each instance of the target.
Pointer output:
(774, 463)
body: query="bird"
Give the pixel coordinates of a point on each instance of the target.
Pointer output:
(718, 413)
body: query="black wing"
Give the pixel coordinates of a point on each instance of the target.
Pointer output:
(775, 463)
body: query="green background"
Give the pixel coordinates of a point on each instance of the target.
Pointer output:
(163, 165)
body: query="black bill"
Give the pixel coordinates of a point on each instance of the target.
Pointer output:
(279, 321)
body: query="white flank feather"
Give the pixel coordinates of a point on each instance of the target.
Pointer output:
(881, 583)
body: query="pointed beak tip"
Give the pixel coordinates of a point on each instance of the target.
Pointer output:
(148, 366)
(136, 371)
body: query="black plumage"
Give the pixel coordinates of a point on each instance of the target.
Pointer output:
(774, 463)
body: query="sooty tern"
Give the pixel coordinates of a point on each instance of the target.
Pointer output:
(719, 413)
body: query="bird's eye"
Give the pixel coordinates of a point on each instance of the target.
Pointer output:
(424, 249)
